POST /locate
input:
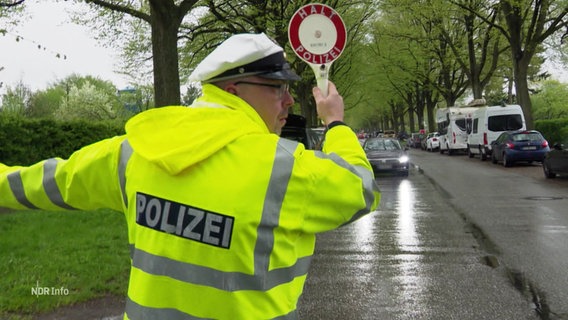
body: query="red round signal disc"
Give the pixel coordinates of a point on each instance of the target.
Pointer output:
(317, 33)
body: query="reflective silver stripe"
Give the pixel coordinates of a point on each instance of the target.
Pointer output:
(17, 187)
(366, 175)
(227, 281)
(50, 185)
(131, 249)
(262, 279)
(290, 316)
(125, 154)
(135, 311)
(279, 179)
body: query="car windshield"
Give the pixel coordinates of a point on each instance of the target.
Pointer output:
(381, 145)
(530, 136)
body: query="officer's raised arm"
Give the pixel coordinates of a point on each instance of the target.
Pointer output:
(330, 108)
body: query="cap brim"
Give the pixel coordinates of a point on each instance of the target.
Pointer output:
(284, 74)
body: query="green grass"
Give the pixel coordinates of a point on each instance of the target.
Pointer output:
(83, 255)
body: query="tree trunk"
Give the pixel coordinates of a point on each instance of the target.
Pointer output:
(522, 88)
(476, 86)
(411, 123)
(165, 24)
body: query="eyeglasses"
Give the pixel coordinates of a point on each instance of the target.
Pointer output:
(282, 87)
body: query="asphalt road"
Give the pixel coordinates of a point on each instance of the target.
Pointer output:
(458, 239)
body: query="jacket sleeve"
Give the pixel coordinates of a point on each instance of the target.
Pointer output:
(342, 186)
(88, 180)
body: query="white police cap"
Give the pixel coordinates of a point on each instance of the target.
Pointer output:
(244, 55)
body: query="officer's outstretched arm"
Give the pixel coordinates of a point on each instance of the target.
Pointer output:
(87, 180)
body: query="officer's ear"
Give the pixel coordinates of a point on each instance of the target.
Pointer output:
(231, 88)
(227, 85)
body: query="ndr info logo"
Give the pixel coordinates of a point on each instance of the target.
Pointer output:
(49, 291)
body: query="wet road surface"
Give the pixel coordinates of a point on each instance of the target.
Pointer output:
(523, 219)
(416, 257)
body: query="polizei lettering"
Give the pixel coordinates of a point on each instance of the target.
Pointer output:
(184, 221)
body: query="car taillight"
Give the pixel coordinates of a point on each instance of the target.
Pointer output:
(545, 144)
(509, 145)
(454, 135)
(485, 138)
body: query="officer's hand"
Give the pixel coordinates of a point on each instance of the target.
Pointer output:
(329, 108)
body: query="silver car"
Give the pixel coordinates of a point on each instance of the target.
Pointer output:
(387, 155)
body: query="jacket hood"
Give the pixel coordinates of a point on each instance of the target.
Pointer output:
(175, 138)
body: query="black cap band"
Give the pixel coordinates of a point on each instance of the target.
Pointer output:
(273, 67)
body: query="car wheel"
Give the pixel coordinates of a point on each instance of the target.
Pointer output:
(469, 153)
(547, 172)
(506, 162)
(450, 151)
(493, 158)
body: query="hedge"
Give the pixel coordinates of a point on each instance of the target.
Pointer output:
(555, 131)
(26, 141)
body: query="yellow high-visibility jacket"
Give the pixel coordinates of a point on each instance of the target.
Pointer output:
(221, 214)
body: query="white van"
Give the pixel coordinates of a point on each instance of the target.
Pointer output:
(452, 125)
(488, 123)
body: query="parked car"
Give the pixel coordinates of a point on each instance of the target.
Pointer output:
(295, 129)
(389, 134)
(432, 141)
(386, 154)
(555, 161)
(415, 140)
(515, 146)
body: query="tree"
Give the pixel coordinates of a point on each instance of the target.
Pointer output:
(16, 100)
(44, 103)
(527, 24)
(11, 3)
(165, 18)
(407, 56)
(481, 43)
(87, 102)
(550, 101)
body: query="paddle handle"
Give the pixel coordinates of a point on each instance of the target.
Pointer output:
(321, 71)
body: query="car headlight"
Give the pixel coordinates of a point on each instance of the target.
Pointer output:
(403, 159)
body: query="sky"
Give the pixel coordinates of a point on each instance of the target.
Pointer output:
(48, 26)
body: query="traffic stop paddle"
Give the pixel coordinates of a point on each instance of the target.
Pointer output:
(317, 35)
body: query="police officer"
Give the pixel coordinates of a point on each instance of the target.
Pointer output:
(222, 213)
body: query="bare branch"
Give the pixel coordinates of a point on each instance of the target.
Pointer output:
(11, 4)
(120, 8)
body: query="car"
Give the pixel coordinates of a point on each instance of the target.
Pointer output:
(432, 141)
(387, 155)
(555, 161)
(515, 146)
(296, 129)
(415, 140)
(389, 134)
